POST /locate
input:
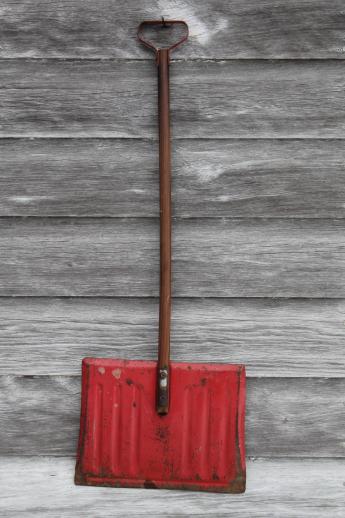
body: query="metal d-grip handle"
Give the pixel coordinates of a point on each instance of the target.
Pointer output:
(162, 60)
(164, 24)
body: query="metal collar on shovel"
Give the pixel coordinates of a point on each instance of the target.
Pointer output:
(173, 425)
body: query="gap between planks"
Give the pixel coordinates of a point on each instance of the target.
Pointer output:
(172, 60)
(73, 136)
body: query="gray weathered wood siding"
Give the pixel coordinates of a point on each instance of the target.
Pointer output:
(281, 488)
(258, 125)
(209, 99)
(218, 29)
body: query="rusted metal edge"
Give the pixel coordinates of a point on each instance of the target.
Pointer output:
(238, 485)
(78, 477)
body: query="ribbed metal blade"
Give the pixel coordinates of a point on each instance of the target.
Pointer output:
(198, 445)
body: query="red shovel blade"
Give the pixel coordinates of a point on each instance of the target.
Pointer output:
(198, 445)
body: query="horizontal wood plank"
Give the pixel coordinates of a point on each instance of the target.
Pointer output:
(43, 487)
(211, 257)
(218, 29)
(285, 417)
(119, 177)
(256, 99)
(290, 338)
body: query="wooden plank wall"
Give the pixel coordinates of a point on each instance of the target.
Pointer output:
(257, 98)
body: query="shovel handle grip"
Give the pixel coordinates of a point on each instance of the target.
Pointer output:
(162, 60)
(161, 23)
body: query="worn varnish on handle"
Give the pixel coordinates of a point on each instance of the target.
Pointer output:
(162, 424)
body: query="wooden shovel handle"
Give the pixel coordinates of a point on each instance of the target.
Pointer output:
(162, 60)
(165, 232)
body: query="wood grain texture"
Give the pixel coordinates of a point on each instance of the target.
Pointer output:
(275, 488)
(289, 338)
(293, 417)
(218, 29)
(211, 258)
(119, 177)
(256, 99)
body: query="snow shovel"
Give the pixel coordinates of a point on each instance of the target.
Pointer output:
(162, 424)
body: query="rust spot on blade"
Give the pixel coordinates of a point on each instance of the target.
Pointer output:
(238, 485)
(148, 484)
(162, 433)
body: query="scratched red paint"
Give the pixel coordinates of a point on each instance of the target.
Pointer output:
(198, 445)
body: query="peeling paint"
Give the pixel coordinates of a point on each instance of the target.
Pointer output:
(116, 373)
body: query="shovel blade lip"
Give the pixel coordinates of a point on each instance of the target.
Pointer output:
(207, 366)
(237, 485)
(198, 445)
